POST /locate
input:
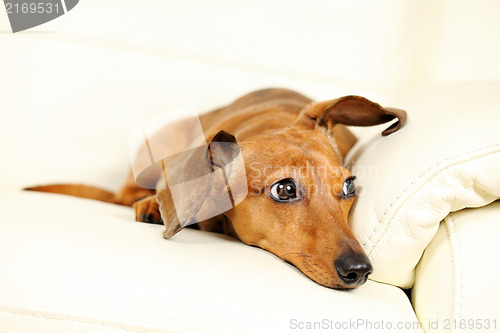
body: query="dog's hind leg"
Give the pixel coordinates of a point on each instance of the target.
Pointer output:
(130, 192)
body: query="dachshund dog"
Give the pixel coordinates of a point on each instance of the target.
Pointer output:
(297, 194)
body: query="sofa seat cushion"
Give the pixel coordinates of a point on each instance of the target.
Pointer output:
(77, 265)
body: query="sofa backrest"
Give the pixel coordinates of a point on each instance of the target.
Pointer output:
(74, 88)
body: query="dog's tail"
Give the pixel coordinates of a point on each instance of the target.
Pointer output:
(82, 191)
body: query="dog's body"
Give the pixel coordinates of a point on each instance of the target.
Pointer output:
(299, 194)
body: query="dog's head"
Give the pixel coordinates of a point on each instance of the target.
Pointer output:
(299, 194)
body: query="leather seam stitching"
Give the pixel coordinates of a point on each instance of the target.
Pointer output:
(430, 177)
(75, 319)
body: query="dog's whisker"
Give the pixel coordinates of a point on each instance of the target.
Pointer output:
(299, 254)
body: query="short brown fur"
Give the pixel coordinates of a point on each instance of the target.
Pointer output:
(278, 131)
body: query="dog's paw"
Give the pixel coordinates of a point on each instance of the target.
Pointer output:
(148, 210)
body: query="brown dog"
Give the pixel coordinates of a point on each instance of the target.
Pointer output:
(299, 194)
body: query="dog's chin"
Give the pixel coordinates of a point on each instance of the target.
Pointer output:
(334, 285)
(321, 277)
(341, 287)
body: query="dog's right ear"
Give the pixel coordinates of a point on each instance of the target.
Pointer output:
(197, 184)
(352, 111)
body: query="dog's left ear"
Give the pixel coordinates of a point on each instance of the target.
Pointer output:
(197, 184)
(352, 111)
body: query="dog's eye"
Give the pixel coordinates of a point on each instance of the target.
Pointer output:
(284, 190)
(348, 189)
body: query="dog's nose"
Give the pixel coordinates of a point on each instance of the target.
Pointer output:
(353, 268)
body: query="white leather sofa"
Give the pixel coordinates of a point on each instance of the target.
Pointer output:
(72, 90)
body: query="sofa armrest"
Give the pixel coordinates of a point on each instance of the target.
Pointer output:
(456, 283)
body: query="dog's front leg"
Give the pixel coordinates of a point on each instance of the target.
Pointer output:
(148, 210)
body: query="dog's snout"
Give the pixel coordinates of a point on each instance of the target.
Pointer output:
(353, 269)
